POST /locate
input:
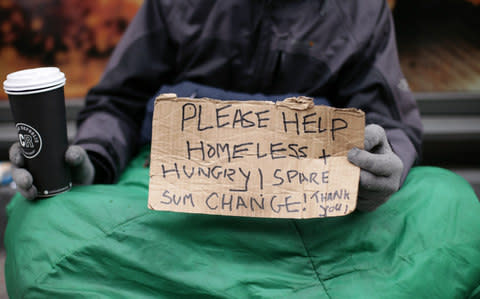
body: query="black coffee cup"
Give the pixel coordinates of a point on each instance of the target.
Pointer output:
(37, 103)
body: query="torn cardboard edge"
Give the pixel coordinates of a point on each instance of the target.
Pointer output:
(253, 158)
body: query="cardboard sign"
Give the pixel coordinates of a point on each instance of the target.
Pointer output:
(252, 158)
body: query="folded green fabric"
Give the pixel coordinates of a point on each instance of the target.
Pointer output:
(101, 241)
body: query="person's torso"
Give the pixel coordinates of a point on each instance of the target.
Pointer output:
(261, 46)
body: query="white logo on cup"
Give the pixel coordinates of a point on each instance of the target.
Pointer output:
(30, 140)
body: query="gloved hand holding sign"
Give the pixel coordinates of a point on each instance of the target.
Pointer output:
(381, 169)
(76, 157)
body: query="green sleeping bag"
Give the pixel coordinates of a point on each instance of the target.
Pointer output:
(101, 241)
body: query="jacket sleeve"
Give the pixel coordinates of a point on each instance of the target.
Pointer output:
(109, 124)
(372, 81)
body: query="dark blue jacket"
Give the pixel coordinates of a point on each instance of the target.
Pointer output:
(342, 50)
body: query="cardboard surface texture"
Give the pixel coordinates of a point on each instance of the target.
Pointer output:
(254, 159)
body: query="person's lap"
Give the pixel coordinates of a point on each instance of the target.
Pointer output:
(102, 240)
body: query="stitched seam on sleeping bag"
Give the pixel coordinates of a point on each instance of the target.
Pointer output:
(297, 230)
(105, 234)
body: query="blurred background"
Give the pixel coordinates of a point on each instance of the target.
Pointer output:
(75, 35)
(438, 42)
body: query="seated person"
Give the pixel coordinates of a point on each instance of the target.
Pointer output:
(268, 50)
(112, 245)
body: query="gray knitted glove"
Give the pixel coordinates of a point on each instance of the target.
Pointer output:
(381, 169)
(76, 157)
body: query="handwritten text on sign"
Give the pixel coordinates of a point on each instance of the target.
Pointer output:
(252, 158)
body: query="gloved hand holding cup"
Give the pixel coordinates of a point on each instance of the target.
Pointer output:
(37, 104)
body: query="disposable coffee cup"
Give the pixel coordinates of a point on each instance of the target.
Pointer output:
(37, 103)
